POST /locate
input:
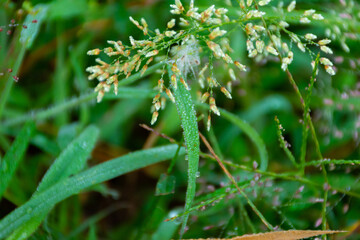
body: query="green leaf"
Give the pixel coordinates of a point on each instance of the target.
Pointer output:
(70, 161)
(165, 185)
(186, 111)
(13, 157)
(166, 229)
(29, 34)
(79, 182)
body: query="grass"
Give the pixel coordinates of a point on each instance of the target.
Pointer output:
(283, 154)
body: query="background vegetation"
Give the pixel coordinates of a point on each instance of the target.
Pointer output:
(51, 123)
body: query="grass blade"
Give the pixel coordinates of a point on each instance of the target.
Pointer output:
(79, 182)
(13, 157)
(186, 111)
(10, 81)
(70, 161)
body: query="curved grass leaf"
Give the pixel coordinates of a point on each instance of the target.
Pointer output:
(70, 161)
(269, 104)
(79, 182)
(252, 134)
(186, 111)
(13, 157)
(249, 131)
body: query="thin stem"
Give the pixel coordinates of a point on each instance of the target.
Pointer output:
(308, 121)
(283, 144)
(75, 102)
(252, 205)
(326, 188)
(333, 161)
(306, 114)
(50, 112)
(294, 85)
(246, 216)
(286, 176)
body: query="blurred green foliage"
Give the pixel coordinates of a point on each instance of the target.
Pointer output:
(43, 78)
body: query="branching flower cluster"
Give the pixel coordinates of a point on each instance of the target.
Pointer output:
(194, 40)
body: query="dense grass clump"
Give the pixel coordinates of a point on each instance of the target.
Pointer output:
(183, 120)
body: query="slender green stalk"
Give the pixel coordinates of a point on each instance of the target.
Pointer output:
(286, 176)
(305, 131)
(294, 85)
(232, 179)
(248, 221)
(283, 143)
(326, 188)
(86, 98)
(212, 198)
(173, 160)
(333, 161)
(306, 121)
(41, 115)
(306, 114)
